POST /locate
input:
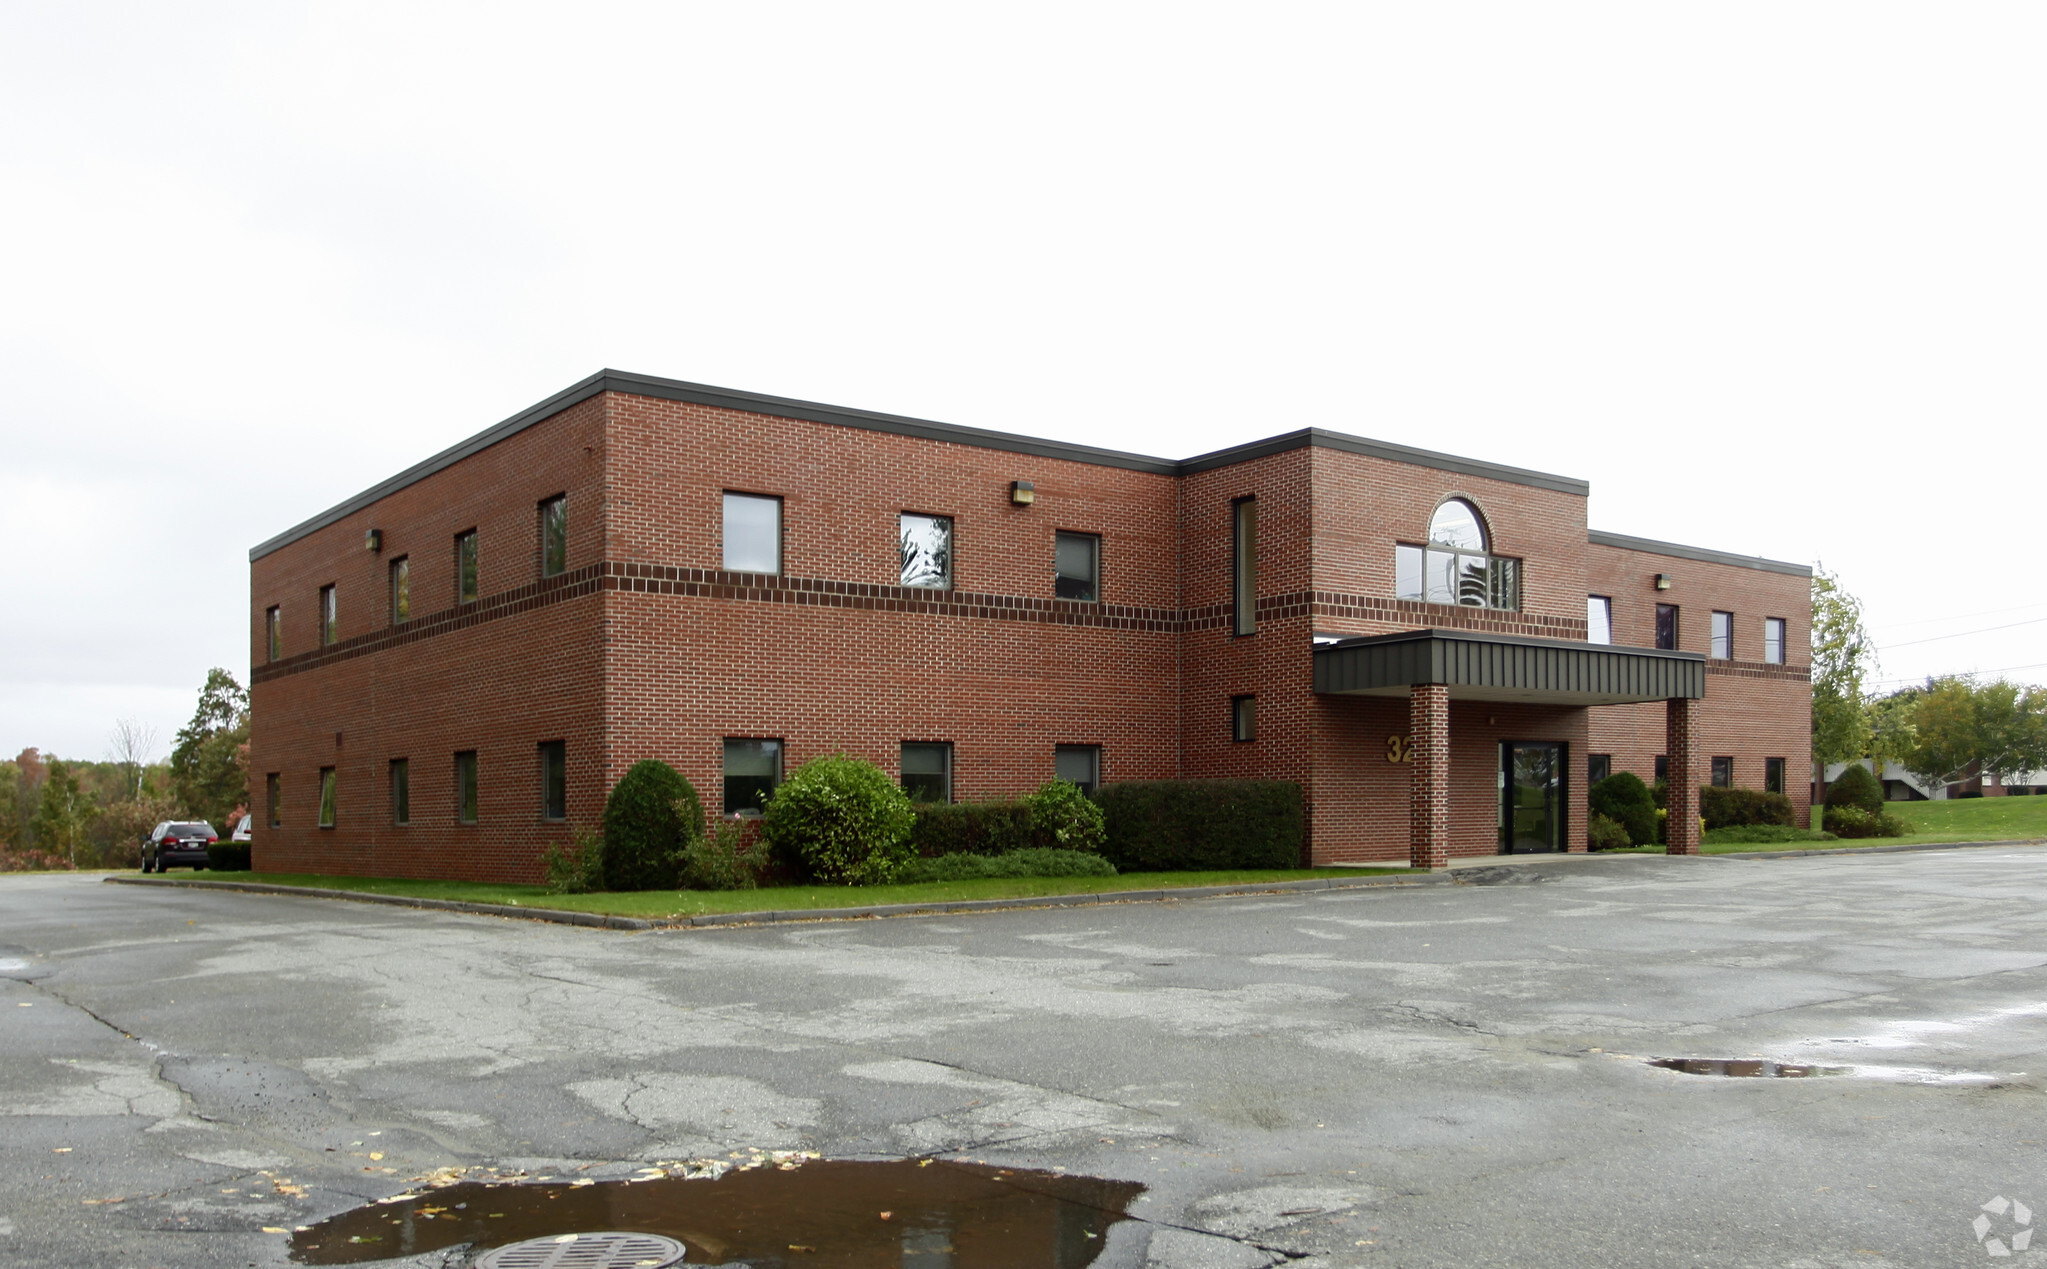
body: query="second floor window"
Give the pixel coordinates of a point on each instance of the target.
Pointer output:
(273, 632)
(1455, 568)
(330, 624)
(1773, 640)
(466, 579)
(554, 536)
(1244, 565)
(927, 551)
(401, 590)
(1666, 626)
(1723, 636)
(1076, 566)
(1598, 619)
(753, 534)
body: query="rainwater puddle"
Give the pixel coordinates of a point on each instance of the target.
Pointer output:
(932, 1213)
(1747, 1068)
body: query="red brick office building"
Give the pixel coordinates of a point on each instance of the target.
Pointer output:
(453, 667)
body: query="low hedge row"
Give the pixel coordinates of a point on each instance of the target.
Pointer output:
(1734, 808)
(1192, 825)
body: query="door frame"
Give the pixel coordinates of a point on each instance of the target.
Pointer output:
(1560, 799)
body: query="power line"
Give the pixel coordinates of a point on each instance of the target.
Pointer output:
(2034, 621)
(1915, 678)
(1954, 616)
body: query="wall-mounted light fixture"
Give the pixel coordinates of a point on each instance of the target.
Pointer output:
(1022, 493)
(373, 540)
(1663, 581)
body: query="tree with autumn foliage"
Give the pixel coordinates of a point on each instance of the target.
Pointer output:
(209, 764)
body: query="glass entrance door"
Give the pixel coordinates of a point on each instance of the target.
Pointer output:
(1531, 797)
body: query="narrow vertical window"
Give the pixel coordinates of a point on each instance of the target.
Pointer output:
(1244, 564)
(1723, 773)
(753, 533)
(1597, 768)
(927, 771)
(1773, 640)
(273, 631)
(327, 797)
(1773, 775)
(554, 780)
(465, 567)
(1723, 636)
(752, 770)
(1076, 566)
(1666, 626)
(401, 591)
(927, 550)
(554, 536)
(465, 787)
(273, 797)
(1662, 768)
(401, 791)
(330, 622)
(1078, 764)
(1598, 619)
(1243, 718)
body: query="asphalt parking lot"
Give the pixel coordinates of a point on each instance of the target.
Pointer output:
(1435, 1076)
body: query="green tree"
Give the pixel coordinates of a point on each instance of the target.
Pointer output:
(2011, 729)
(209, 765)
(1842, 658)
(1959, 728)
(63, 814)
(1945, 733)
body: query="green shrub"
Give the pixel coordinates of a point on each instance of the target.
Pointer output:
(1605, 834)
(228, 856)
(1064, 818)
(1857, 787)
(1753, 833)
(1624, 799)
(651, 817)
(1729, 808)
(731, 858)
(577, 868)
(1853, 821)
(843, 819)
(1191, 825)
(1017, 863)
(970, 828)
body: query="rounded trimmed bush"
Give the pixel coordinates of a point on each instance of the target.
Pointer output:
(651, 817)
(844, 819)
(1063, 818)
(1857, 787)
(1624, 799)
(1606, 834)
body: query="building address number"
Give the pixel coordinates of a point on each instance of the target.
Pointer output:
(1400, 749)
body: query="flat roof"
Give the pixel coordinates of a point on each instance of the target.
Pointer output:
(1702, 554)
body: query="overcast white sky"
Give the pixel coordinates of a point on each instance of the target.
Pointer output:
(1771, 276)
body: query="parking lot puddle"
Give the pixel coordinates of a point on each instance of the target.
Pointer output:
(1746, 1068)
(915, 1213)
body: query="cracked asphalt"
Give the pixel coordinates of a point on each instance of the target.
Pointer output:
(1432, 1076)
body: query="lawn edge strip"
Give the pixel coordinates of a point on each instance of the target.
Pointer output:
(1827, 851)
(940, 907)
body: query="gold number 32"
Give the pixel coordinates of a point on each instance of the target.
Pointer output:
(1400, 749)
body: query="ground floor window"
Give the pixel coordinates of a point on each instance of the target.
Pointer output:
(1078, 764)
(1723, 773)
(1597, 767)
(465, 787)
(401, 791)
(1662, 768)
(927, 771)
(1773, 775)
(273, 796)
(554, 780)
(1243, 718)
(752, 770)
(327, 797)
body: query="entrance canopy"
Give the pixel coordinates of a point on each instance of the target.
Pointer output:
(1490, 667)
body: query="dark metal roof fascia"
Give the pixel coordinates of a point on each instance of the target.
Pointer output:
(1523, 641)
(574, 395)
(1322, 438)
(1702, 554)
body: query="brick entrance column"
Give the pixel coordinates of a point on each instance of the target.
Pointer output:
(1681, 800)
(1428, 787)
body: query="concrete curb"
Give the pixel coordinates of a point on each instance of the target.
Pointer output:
(778, 917)
(1823, 851)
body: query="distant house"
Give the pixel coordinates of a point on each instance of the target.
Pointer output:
(1901, 785)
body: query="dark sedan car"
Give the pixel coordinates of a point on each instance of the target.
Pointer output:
(177, 842)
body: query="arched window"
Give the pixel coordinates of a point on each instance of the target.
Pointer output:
(1454, 567)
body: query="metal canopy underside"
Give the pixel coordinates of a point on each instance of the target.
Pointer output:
(1487, 667)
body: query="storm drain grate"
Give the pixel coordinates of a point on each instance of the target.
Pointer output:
(609, 1250)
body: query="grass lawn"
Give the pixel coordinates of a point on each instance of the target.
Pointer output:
(677, 903)
(1962, 820)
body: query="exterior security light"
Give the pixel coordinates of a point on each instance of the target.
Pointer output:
(1022, 493)
(373, 540)
(1663, 581)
